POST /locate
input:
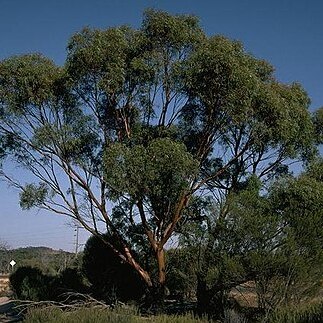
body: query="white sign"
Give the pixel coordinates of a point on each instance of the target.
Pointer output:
(12, 263)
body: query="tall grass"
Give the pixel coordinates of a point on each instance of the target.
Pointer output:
(309, 313)
(99, 315)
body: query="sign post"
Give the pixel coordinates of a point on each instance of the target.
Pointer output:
(12, 263)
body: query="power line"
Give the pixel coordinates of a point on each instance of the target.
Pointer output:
(36, 232)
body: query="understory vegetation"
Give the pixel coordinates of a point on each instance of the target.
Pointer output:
(116, 297)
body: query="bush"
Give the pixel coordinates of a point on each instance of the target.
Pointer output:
(30, 284)
(70, 279)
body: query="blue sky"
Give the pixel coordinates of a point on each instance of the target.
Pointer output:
(289, 34)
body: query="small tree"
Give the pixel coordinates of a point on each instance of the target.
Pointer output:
(110, 278)
(181, 273)
(271, 236)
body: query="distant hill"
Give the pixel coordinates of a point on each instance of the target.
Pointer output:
(49, 260)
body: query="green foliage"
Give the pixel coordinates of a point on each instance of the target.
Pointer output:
(161, 172)
(318, 123)
(301, 202)
(99, 53)
(234, 92)
(4, 257)
(33, 195)
(174, 31)
(181, 273)
(27, 81)
(77, 137)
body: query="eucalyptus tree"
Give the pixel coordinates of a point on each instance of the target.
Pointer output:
(140, 122)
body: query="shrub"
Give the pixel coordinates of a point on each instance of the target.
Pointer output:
(30, 284)
(70, 279)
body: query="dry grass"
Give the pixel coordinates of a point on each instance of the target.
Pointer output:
(99, 315)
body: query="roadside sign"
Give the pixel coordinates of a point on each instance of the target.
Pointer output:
(12, 263)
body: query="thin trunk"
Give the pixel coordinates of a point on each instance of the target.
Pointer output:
(208, 301)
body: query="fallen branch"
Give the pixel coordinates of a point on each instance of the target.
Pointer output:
(71, 301)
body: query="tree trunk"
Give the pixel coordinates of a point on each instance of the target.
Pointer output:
(156, 292)
(202, 295)
(161, 266)
(160, 290)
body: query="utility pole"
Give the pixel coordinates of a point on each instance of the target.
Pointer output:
(76, 235)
